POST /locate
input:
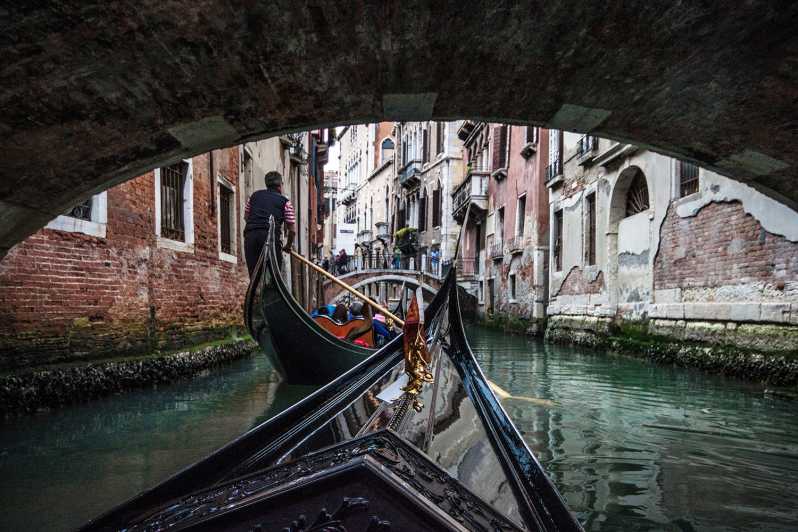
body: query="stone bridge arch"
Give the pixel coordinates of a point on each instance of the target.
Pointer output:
(101, 92)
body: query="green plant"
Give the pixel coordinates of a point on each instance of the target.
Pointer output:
(405, 232)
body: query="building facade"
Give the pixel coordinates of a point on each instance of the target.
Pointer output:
(640, 237)
(154, 263)
(504, 203)
(429, 167)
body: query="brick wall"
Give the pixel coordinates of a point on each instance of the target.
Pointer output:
(67, 295)
(722, 245)
(577, 283)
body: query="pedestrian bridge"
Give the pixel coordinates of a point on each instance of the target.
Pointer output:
(384, 283)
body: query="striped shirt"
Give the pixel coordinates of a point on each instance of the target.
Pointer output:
(289, 218)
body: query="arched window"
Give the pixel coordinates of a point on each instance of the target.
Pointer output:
(386, 149)
(637, 196)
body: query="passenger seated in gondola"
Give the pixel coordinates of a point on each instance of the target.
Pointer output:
(341, 314)
(356, 310)
(382, 334)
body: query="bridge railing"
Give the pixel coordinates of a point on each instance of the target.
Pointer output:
(380, 260)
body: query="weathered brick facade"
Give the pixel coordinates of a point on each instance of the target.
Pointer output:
(66, 295)
(722, 245)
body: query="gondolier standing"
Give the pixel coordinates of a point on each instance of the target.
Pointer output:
(261, 205)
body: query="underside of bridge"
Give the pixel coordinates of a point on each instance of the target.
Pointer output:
(94, 93)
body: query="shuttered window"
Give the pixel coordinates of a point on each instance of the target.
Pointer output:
(436, 207)
(558, 240)
(503, 137)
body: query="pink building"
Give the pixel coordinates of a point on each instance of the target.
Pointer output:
(504, 203)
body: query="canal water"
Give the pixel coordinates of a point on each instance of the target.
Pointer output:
(630, 445)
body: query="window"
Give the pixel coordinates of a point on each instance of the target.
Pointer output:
(439, 144)
(82, 211)
(531, 135)
(226, 221)
(386, 149)
(425, 145)
(481, 291)
(590, 245)
(174, 206)
(436, 206)
(90, 217)
(554, 168)
(422, 213)
(512, 287)
(557, 244)
(637, 196)
(520, 214)
(688, 178)
(499, 228)
(502, 147)
(173, 180)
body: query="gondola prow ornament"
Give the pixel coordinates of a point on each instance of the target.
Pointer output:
(417, 356)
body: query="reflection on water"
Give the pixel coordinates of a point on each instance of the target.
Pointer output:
(634, 446)
(631, 446)
(62, 468)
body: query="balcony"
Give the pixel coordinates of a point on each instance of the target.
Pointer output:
(586, 150)
(364, 236)
(465, 129)
(382, 230)
(472, 191)
(553, 172)
(348, 196)
(515, 245)
(496, 250)
(409, 174)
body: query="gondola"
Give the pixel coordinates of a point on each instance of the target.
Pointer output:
(300, 349)
(361, 454)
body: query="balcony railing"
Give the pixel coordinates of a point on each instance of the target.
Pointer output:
(364, 236)
(408, 174)
(553, 170)
(467, 267)
(496, 250)
(586, 148)
(382, 230)
(474, 189)
(515, 244)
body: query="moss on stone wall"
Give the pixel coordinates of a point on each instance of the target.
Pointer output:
(738, 350)
(54, 386)
(514, 324)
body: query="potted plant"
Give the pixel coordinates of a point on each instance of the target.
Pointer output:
(407, 240)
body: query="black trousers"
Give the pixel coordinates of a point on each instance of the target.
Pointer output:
(253, 245)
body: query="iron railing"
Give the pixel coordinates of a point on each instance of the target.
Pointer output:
(474, 186)
(515, 244)
(173, 180)
(81, 211)
(586, 145)
(496, 250)
(553, 170)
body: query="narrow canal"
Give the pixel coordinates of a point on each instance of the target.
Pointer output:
(630, 445)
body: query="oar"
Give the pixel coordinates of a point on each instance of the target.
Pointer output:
(348, 288)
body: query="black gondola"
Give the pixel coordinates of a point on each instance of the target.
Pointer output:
(348, 458)
(301, 350)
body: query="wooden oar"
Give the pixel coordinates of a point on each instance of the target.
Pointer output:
(348, 288)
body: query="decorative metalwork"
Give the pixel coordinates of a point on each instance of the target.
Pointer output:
(637, 196)
(688, 178)
(81, 211)
(334, 522)
(385, 450)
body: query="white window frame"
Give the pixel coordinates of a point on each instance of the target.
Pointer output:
(188, 213)
(227, 257)
(96, 227)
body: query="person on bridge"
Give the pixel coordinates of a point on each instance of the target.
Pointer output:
(262, 205)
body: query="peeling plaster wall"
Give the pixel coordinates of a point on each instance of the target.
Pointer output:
(724, 253)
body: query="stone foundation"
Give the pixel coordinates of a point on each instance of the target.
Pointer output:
(757, 352)
(48, 388)
(515, 324)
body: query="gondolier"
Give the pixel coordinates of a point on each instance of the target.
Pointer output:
(262, 205)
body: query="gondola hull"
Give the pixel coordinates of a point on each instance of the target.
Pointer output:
(355, 455)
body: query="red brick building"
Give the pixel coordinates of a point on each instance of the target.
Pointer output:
(153, 263)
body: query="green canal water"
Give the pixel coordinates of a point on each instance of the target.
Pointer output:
(630, 445)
